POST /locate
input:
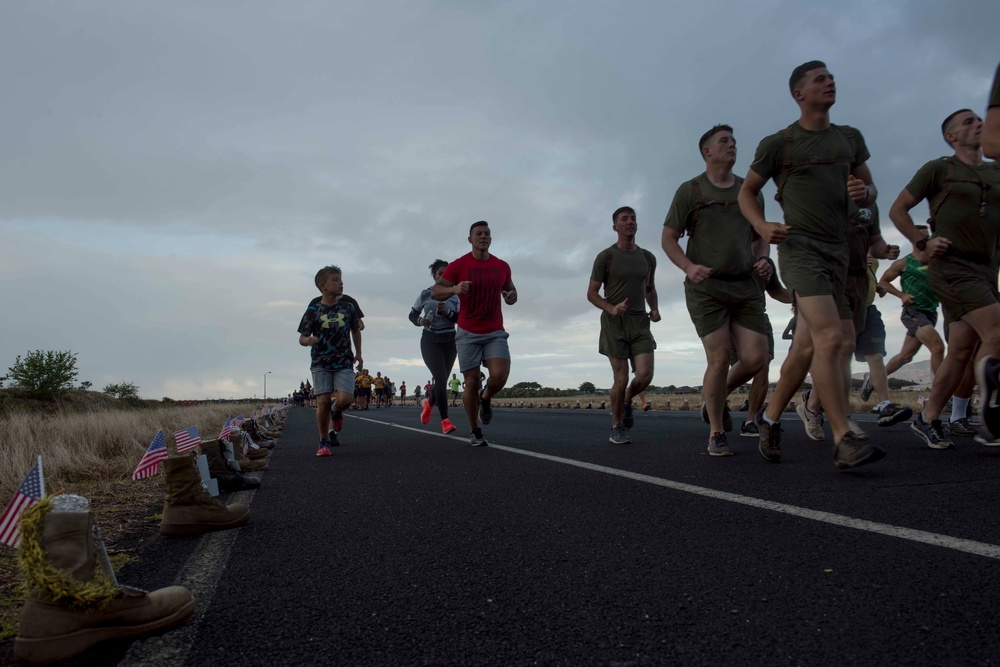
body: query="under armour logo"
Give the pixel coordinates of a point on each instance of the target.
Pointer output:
(327, 320)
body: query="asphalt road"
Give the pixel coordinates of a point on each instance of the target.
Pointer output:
(554, 547)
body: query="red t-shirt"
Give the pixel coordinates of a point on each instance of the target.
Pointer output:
(480, 307)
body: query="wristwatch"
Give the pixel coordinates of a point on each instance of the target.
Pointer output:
(921, 245)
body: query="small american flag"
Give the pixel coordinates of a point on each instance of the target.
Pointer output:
(187, 439)
(32, 490)
(149, 465)
(225, 433)
(239, 421)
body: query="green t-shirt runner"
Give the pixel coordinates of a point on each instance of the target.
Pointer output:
(814, 200)
(626, 277)
(455, 384)
(721, 239)
(914, 282)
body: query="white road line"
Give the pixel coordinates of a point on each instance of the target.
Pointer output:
(934, 539)
(200, 575)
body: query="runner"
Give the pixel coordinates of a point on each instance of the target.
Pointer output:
(920, 306)
(455, 384)
(864, 240)
(437, 344)
(329, 327)
(963, 194)
(818, 168)
(627, 273)
(480, 280)
(724, 300)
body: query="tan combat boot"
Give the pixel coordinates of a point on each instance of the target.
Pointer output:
(189, 508)
(74, 601)
(258, 454)
(246, 463)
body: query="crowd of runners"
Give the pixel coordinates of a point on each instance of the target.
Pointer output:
(829, 246)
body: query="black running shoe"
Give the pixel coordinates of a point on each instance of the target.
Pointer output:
(893, 414)
(867, 389)
(933, 433)
(628, 420)
(770, 439)
(727, 419)
(852, 452)
(485, 411)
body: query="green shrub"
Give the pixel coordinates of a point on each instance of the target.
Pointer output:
(44, 374)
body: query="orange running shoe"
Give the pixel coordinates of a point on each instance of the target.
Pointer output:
(324, 449)
(425, 414)
(446, 426)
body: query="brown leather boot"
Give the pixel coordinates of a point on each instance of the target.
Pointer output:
(246, 463)
(190, 509)
(228, 478)
(258, 454)
(61, 564)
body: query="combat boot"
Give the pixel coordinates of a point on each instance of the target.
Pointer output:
(245, 462)
(74, 601)
(258, 454)
(190, 509)
(229, 477)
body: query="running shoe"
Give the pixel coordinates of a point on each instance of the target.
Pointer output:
(619, 436)
(338, 421)
(853, 451)
(770, 438)
(446, 426)
(476, 439)
(334, 440)
(749, 430)
(987, 441)
(425, 412)
(813, 421)
(854, 428)
(647, 406)
(485, 411)
(962, 428)
(987, 370)
(892, 414)
(727, 419)
(933, 433)
(867, 388)
(628, 420)
(717, 445)
(324, 448)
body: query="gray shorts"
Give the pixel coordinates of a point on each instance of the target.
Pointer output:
(475, 348)
(326, 382)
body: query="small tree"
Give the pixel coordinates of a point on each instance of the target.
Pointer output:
(588, 387)
(86, 385)
(125, 391)
(45, 374)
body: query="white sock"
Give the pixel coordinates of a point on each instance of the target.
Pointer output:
(764, 417)
(959, 407)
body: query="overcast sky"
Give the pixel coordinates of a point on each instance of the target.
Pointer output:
(173, 174)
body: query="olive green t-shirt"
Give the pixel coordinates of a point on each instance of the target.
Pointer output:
(972, 236)
(859, 236)
(995, 97)
(721, 238)
(626, 279)
(814, 199)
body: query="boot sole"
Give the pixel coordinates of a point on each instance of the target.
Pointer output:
(182, 529)
(48, 650)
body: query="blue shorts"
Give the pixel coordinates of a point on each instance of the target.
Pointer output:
(326, 382)
(475, 348)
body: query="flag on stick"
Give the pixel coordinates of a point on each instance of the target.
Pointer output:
(32, 490)
(187, 439)
(226, 431)
(149, 465)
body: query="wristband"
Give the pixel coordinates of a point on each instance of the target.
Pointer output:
(921, 245)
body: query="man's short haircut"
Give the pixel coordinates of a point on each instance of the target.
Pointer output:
(799, 73)
(711, 133)
(324, 274)
(438, 264)
(622, 209)
(947, 122)
(480, 223)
